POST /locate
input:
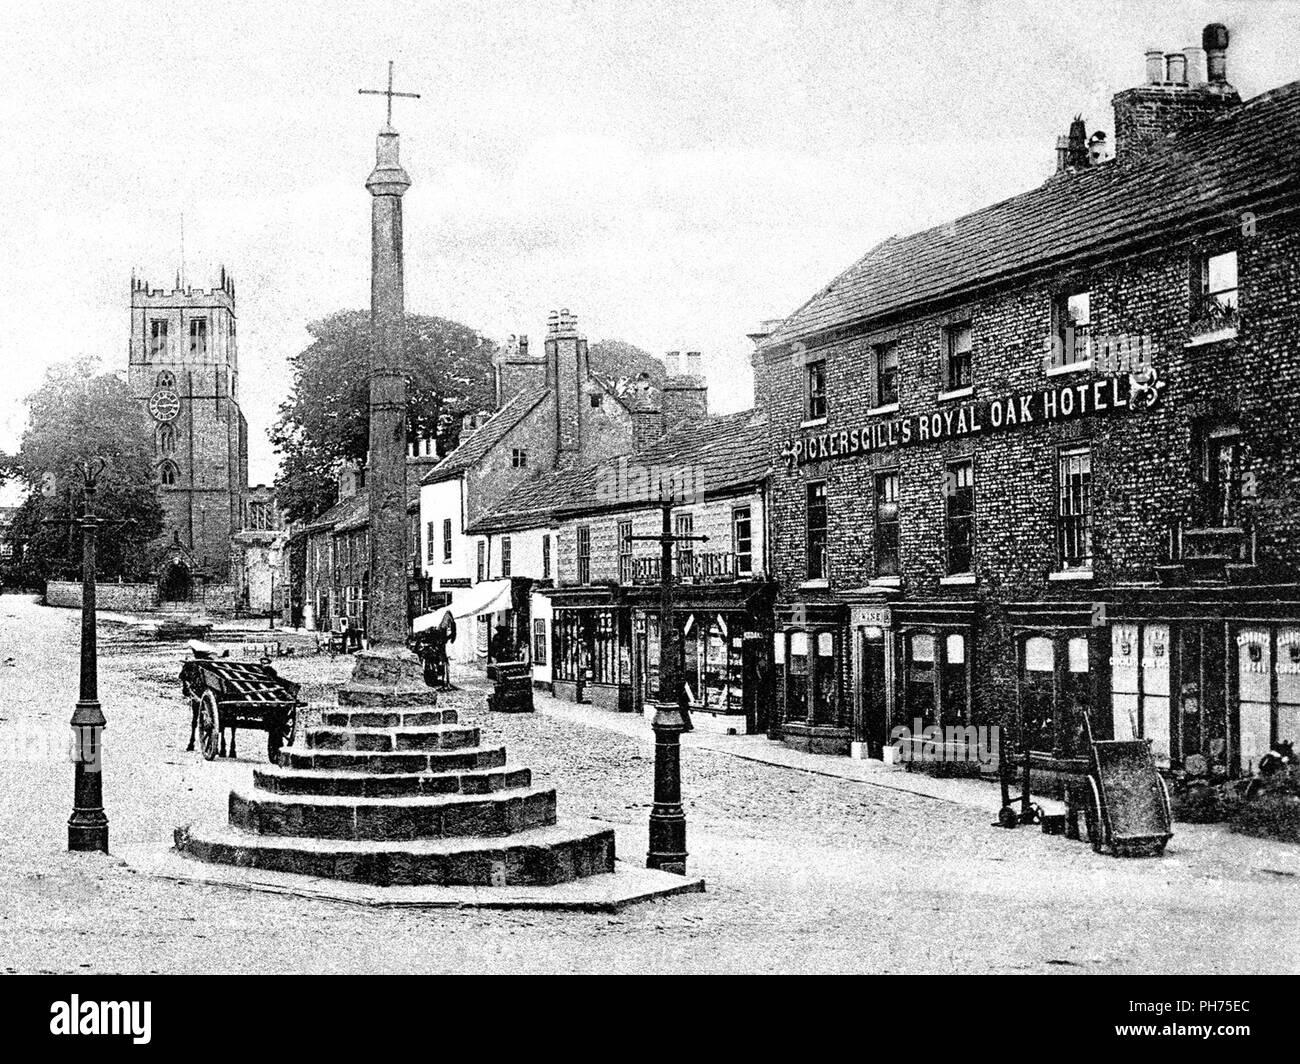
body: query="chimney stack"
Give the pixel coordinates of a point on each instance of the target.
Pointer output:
(694, 364)
(686, 396)
(566, 374)
(1179, 93)
(647, 413)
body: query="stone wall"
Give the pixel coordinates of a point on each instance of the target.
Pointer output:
(128, 597)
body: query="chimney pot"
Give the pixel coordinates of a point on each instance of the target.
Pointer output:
(1214, 39)
(1176, 68)
(1155, 66)
(1196, 74)
(672, 363)
(695, 363)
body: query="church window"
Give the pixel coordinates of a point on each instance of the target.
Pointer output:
(198, 337)
(166, 439)
(167, 473)
(158, 337)
(165, 379)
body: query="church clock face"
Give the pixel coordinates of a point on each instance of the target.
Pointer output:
(164, 404)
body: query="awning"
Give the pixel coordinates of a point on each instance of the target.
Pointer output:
(491, 596)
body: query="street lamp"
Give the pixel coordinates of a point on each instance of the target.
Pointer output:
(88, 825)
(667, 850)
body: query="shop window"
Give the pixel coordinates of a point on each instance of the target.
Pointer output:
(959, 500)
(1072, 325)
(796, 691)
(587, 646)
(816, 538)
(918, 679)
(506, 550)
(1074, 509)
(957, 356)
(815, 390)
(584, 554)
(626, 564)
(1140, 685)
(886, 357)
(446, 540)
(742, 540)
(1268, 690)
(887, 523)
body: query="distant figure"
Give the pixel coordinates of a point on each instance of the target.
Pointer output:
(501, 648)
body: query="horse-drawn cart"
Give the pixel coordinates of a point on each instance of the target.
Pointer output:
(238, 694)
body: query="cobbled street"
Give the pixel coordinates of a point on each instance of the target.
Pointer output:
(805, 873)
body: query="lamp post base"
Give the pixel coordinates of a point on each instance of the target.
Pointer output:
(667, 851)
(87, 832)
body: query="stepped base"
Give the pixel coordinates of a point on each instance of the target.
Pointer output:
(606, 893)
(538, 857)
(389, 676)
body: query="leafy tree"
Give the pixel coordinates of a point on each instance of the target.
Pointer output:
(74, 417)
(326, 419)
(617, 359)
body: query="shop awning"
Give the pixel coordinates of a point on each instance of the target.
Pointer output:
(491, 596)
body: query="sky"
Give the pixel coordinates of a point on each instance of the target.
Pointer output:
(673, 173)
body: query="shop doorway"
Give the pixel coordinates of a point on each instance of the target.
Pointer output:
(873, 680)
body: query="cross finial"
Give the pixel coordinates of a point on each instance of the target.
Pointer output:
(389, 93)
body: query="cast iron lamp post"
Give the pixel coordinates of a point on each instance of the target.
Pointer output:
(667, 819)
(88, 825)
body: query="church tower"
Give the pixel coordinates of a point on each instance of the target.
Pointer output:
(184, 370)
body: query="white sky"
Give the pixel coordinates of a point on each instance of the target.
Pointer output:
(671, 172)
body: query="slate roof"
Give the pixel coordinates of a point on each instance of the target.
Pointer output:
(487, 436)
(350, 512)
(727, 453)
(1235, 160)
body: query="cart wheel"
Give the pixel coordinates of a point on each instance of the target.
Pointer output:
(1092, 816)
(209, 725)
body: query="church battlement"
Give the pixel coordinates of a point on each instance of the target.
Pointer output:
(222, 294)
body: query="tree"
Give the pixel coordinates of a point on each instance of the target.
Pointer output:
(617, 359)
(326, 419)
(76, 416)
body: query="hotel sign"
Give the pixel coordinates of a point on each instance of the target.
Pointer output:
(1138, 391)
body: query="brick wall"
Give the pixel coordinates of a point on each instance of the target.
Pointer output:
(1145, 471)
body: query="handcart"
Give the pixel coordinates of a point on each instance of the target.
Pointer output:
(238, 694)
(1127, 806)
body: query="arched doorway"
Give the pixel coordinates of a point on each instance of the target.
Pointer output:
(174, 584)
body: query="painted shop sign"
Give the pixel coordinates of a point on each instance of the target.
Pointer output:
(454, 581)
(1138, 391)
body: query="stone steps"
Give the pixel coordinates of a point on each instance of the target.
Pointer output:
(278, 780)
(541, 857)
(381, 762)
(421, 817)
(422, 717)
(393, 740)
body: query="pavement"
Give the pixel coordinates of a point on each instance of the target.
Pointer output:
(812, 864)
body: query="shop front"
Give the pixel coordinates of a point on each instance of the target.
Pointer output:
(591, 643)
(723, 632)
(808, 655)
